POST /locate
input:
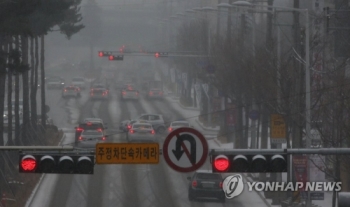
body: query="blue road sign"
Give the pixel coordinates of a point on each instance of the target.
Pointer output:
(254, 114)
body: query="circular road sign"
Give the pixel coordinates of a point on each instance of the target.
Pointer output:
(185, 149)
(254, 115)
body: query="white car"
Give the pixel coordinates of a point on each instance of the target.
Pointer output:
(91, 137)
(79, 82)
(178, 124)
(141, 132)
(70, 91)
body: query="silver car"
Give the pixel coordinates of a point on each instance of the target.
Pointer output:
(70, 91)
(178, 124)
(91, 137)
(130, 94)
(80, 82)
(54, 82)
(141, 132)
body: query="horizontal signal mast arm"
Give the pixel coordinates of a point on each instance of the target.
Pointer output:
(320, 151)
(36, 148)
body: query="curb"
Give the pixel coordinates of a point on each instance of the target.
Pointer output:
(259, 194)
(30, 199)
(205, 128)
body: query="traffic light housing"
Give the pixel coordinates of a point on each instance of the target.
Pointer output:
(252, 163)
(56, 163)
(160, 54)
(104, 53)
(116, 57)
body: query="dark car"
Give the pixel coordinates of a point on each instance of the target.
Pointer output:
(205, 184)
(87, 126)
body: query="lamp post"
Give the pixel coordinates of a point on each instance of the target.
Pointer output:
(307, 83)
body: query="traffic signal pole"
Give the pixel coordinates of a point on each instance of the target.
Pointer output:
(292, 151)
(16, 148)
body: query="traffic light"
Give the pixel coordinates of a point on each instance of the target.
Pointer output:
(161, 54)
(104, 53)
(253, 163)
(118, 57)
(56, 163)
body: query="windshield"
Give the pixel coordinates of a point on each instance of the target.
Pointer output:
(92, 133)
(179, 124)
(236, 87)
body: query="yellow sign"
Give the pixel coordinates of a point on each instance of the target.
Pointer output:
(277, 127)
(127, 153)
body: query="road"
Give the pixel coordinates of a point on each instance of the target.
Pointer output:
(119, 185)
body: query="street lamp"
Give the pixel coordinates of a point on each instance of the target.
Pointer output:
(307, 82)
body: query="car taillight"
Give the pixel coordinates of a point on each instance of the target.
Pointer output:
(131, 131)
(99, 130)
(103, 138)
(170, 129)
(124, 92)
(220, 185)
(194, 183)
(80, 138)
(129, 126)
(79, 129)
(153, 132)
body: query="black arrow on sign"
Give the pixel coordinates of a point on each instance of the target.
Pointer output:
(180, 143)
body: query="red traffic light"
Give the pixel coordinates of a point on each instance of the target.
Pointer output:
(156, 55)
(221, 163)
(28, 163)
(100, 54)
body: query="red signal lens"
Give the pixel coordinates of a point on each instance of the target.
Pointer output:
(111, 57)
(80, 138)
(103, 138)
(153, 132)
(100, 54)
(170, 129)
(221, 163)
(131, 131)
(156, 55)
(129, 126)
(28, 163)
